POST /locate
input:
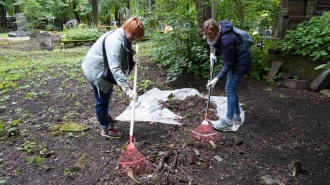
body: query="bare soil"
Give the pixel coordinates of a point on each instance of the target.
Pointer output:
(282, 127)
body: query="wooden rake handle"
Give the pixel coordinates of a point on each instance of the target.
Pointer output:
(131, 130)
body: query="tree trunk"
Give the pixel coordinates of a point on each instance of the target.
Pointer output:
(75, 12)
(240, 11)
(117, 18)
(148, 5)
(128, 13)
(204, 11)
(214, 13)
(16, 8)
(2, 16)
(95, 11)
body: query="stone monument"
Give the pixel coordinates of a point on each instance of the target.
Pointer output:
(21, 22)
(45, 40)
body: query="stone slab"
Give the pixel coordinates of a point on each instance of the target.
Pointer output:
(276, 65)
(321, 82)
(297, 84)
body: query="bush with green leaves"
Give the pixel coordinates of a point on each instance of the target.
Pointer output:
(82, 34)
(260, 62)
(311, 38)
(181, 51)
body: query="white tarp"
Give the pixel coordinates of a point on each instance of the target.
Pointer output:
(149, 109)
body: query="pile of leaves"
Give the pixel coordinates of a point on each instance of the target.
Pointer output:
(191, 108)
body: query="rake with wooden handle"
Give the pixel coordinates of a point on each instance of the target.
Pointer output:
(132, 158)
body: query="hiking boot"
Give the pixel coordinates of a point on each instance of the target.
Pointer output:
(111, 133)
(112, 120)
(224, 124)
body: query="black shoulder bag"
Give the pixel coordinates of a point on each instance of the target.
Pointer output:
(106, 74)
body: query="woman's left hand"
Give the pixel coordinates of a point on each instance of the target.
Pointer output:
(212, 83)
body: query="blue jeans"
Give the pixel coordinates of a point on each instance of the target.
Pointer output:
(102, 107)
(233, 81)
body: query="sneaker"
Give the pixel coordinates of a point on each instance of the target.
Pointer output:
(112, 120)
(224, 124)
(237, 120)
(111, 133)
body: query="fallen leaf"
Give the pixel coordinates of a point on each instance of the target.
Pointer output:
(131, 175)
(196, 151)
(213, 144)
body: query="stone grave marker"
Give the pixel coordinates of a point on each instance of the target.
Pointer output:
(21, 22)
(321, 82)
(45, 40)
(276, 65)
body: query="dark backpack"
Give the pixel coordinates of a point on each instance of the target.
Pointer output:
(244, 36)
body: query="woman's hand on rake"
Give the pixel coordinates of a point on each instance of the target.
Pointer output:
(212, 83)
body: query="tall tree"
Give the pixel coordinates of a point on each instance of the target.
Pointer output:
(240, 10)
(95, 12)
(128, 9)
(204, 11)
(17, 10)
(2, 16)
(75, 11)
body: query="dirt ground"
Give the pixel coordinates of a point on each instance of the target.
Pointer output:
(284, 131)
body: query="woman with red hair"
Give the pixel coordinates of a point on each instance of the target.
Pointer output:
(112, 53)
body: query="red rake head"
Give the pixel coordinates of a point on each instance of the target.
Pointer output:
(134, 160)
(204, 133)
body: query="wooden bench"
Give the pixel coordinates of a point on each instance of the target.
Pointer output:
(72, 43)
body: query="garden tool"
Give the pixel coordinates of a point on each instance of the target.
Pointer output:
(204, 132)
(132, 158)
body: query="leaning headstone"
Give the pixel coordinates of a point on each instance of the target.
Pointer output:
(276, 65)
(321, 82)
(21, 22)
(45, 40)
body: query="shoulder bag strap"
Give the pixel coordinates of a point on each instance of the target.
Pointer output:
(105, 59)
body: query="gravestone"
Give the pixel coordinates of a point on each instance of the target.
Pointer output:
(321, 82)
(45, 40)
(297, 84)
(21, 22)
(276, 65)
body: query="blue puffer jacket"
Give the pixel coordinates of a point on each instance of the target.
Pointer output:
(236, 56)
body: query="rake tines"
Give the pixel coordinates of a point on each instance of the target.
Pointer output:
(134, 160)
(204, 133)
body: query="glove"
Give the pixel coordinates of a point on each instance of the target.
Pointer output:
(131, 94)
(212, 82)
(213, 57)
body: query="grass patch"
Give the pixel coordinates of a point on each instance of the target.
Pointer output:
(3, 35)
(37, 67)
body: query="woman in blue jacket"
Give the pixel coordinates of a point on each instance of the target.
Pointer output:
(237, 62)
(119, 54)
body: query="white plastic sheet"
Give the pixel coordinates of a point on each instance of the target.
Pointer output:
(148, 108)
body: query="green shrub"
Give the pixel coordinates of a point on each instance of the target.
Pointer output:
(310, 38)
(82, 34)
(1, 127)
(260, 62)
(184, 55)
(180, 51)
